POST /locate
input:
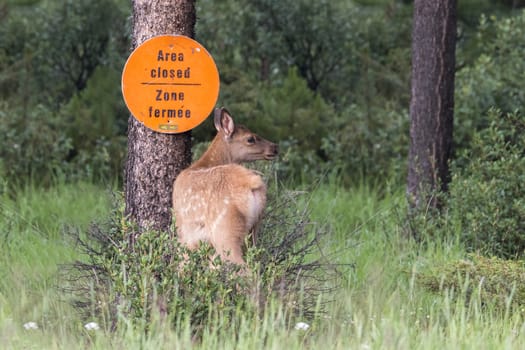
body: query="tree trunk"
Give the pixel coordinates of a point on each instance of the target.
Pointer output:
(155, 159)
(432, 100)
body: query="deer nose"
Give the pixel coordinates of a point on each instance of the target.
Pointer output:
(273, 151)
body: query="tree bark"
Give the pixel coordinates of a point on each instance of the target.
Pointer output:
(432, 100)
(155, 159)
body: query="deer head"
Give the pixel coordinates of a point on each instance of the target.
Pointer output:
(235, 144)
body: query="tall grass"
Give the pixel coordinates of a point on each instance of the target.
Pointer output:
(379, 307)
(33, 243)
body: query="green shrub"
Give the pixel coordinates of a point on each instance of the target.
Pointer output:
(150, 275)
(496, 282)
(33, 144)
(136, 278)
(133, 278)
(96, 122)
(84, 140)
(368, 144)
(70, 40)
(297, 165)
(59, 76)
(495, 79)
(487, 192)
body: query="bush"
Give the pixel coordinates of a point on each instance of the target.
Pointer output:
(368, 144)
(71, 39)
(487, 192)
(497, 283)
(85, 139)
(59, 76)
(33, 144)
(134, 277)
(96, 124)
(147, 275)
(495, 79)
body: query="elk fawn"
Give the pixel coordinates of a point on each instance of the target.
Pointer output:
(216, 199)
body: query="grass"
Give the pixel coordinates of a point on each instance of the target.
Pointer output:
(379, 307)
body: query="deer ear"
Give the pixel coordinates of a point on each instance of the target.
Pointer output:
(223, 121)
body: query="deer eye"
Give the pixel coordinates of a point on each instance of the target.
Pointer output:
(251, 140)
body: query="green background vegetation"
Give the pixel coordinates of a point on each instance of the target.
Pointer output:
(328, 80)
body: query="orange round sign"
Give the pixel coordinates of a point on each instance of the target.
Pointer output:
(170, 83)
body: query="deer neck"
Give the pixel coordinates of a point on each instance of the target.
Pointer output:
(216, 154)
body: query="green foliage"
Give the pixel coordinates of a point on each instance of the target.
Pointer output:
(496, 77)
(63, 113)
(292, 111)
(312, 36)
(368, 144)
(33, 145)
(314, 138)
(49, 58)
(151, 275)
(494, 282)
(73, 38)
(335, 82)
(137, 277)
(327, 79)
(487, 190)
(469, 11)
(219, 28)
(96, 123)
(381, 71)
(269, 37)
(85, 139)
(344, 52)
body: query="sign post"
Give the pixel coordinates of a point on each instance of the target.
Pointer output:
(170, 83)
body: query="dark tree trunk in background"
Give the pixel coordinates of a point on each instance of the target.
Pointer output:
(432, 100)
(155, 159)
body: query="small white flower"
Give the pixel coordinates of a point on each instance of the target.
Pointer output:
(30, 325)
(92, 326)
(302, 326)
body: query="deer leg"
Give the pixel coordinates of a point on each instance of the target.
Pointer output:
(231, 250)
(228, 237)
